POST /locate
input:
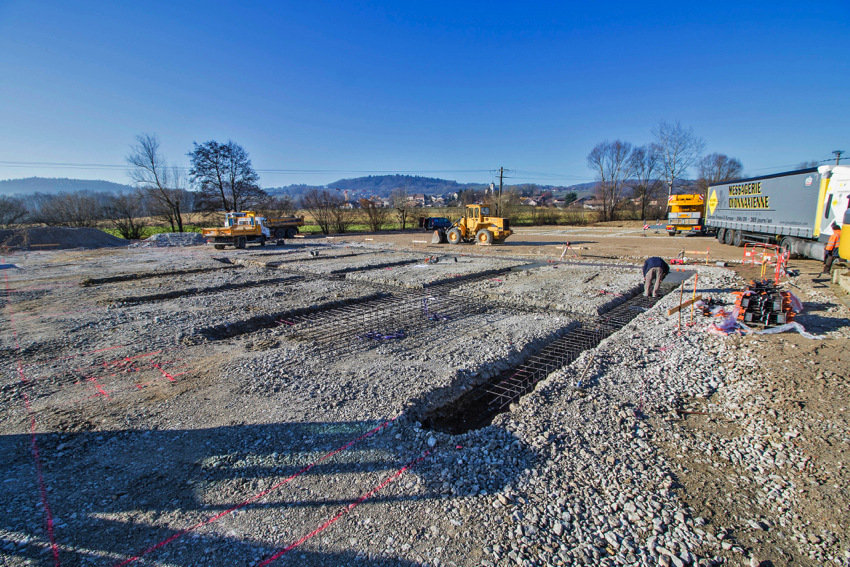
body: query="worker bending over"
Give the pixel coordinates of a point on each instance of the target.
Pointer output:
(832, 248)
(654, 270)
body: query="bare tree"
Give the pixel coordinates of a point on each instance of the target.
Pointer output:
(12, 210)
(274, 206)
(225, 176)
(716, 168)
(79, 209)
(343, 216)
(679, 149)
(320, 204)
(164, 187)
(124, 212)
(646, 162)
(612, 164)
(400, 202)
(808, 164)
(376, 215)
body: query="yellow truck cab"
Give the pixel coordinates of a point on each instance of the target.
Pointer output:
(685, 213)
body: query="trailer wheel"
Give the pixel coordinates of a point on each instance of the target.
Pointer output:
(454, 236)
(291, 232)
(263, 240)
(730, 234)
(787, 245)
(218, 246)
(241, 242)
(738, 239)
(671, 232)
(721, 232)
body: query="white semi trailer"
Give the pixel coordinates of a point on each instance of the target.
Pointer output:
(794, 210)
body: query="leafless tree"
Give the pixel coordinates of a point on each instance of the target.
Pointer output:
(716, 168)
(79, 209)
(646, 163)
(679, 148)
(320, 204)
(808, 164)
(376, 215)
(343, 216)
(225, 176)
(275, 207)
(164, 187)
(612, 165)
(12, 210)
(125, 213)
(400, 202)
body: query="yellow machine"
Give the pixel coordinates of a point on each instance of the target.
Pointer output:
(477, 225)
(246, 226)
(685, 213)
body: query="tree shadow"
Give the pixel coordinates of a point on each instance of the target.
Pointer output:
(248, 491)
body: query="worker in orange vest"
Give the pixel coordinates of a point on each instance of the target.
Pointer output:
(832, 248)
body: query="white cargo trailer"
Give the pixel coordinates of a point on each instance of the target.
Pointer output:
(794, 210)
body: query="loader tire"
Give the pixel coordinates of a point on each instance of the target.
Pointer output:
(484, 237)
(454, 236)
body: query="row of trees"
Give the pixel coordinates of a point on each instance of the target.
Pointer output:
(644, 171)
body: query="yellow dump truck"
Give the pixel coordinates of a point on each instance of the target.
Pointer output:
(246, 226)
(685, 213)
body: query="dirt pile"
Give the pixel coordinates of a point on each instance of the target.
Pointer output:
(57, 238)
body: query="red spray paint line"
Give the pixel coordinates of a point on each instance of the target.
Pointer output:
(232, 509)
(36, 457)
(336, 517)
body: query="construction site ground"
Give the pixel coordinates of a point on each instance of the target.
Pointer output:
(275, 406)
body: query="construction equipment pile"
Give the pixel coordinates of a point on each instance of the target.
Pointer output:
(762, 303)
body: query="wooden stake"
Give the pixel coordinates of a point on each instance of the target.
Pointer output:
(681, 296)
(694, 300)
(678, 308)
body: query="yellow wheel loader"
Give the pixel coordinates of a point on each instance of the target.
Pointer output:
(476, 225)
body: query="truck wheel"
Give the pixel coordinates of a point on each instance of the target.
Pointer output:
(721, 232)
(730, 234)
(218, 246)
(484, 237)
(787, 245)
(263, 240)
(671, 232)
(454, 236)
(291, 232)
(241, 242)
(738, 239)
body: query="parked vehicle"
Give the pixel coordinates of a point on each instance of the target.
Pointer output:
(686, 213)
(476, 225)
(434, 223)
(246, 226)
(794, 210)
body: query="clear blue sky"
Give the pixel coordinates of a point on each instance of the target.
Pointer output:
(419, 87)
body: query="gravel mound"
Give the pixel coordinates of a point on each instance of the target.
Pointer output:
(57, 238)
(168, 239)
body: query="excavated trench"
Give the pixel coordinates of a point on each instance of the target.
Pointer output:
(146, 275)
(195, 291)
(478, 407)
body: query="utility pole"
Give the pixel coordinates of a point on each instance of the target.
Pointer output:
(501, 178)
(837, 154)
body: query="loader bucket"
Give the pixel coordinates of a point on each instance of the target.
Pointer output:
(439, 237)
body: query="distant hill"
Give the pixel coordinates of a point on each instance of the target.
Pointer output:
(50, 186)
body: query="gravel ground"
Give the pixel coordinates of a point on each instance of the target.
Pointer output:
(592, 289)
(168, 239)
(56, 238)
(158, 414)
